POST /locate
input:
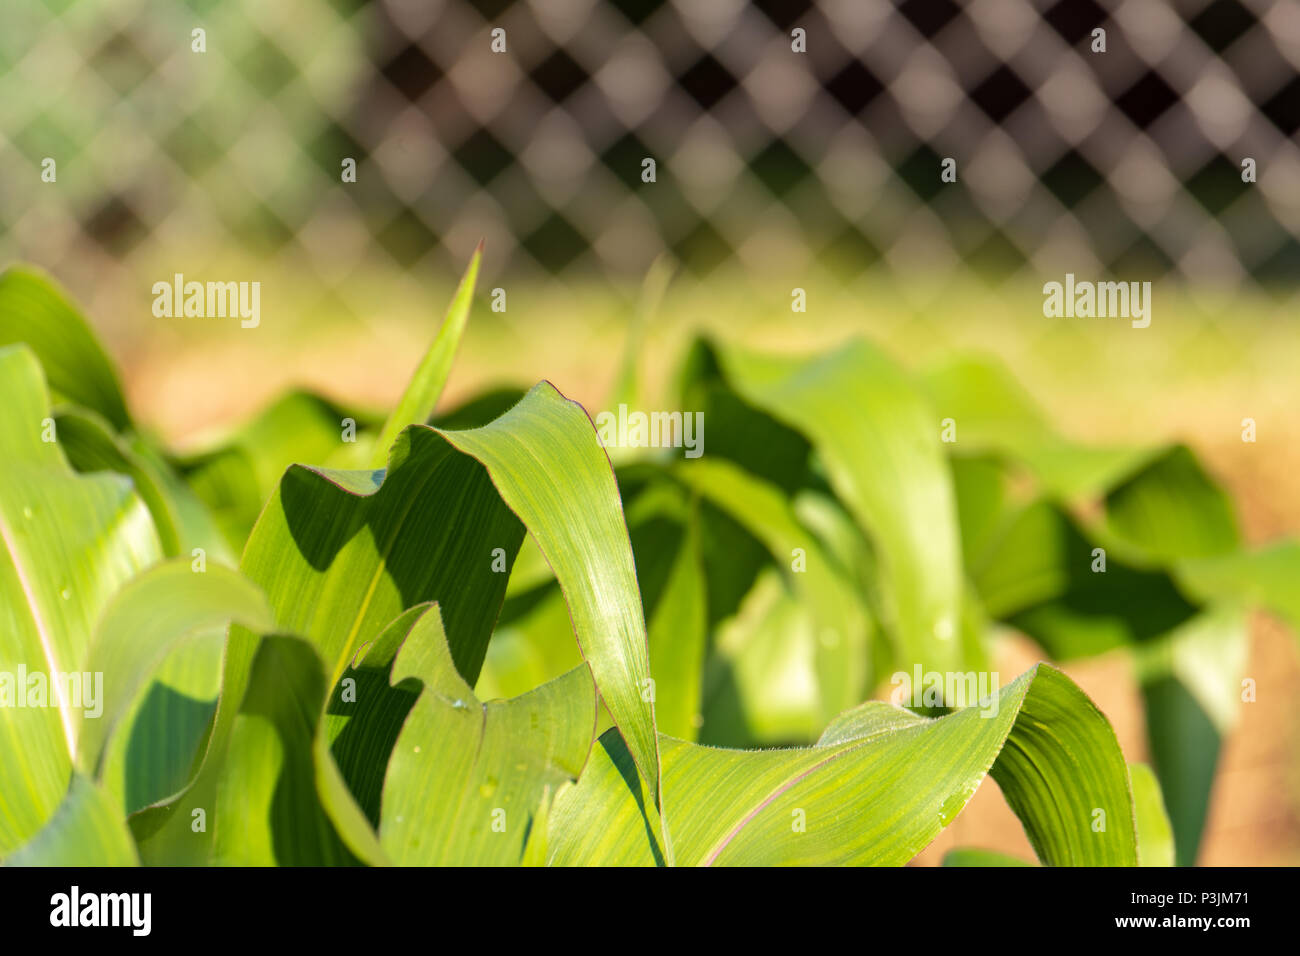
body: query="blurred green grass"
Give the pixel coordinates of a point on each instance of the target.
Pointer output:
(1207, 361)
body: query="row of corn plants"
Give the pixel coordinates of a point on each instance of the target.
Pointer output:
(336, 637)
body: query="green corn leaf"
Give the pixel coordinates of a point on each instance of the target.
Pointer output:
(354, 741)
(1172, 510)
(35, 311)
(91, 445)
(665, 534)
(460, 781)
(1266, 576)
(741, 431)
(532, 643)
(876, 789)
(87, 829)
(421, 396)
(536, 849)
(993, 414)
(1045, 577)
(88, 537)
(196, 527)
(1191, 683)
(342, 554)
(143, 622)
(881, 446)
(966, 856)
(238, 470)
(268, 796)
(628, 387)
(1155, 835)
(760, 681)
(480, 409)
(467, 780)
(68, 542)
(1207, 654)
(983, 488)
(842, 626)
(530, 570)
(1043, 573)
(677, 640)
(93, 423)
(339, 721)
(547, 463)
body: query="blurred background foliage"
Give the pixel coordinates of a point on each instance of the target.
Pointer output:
(775, 171)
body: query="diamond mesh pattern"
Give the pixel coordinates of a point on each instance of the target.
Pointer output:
(1127, 161)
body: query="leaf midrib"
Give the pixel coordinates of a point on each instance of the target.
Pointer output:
(38, 621)
(851, 746)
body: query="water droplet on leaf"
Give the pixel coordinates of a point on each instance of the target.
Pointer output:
(950, 808)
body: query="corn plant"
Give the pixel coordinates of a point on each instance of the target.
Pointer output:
(467, 638)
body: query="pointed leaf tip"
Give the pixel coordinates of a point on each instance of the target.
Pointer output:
(422, 393)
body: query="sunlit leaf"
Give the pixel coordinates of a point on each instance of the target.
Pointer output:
(1155, 836)
(880, 442)
(546, 461)
(417, 402)
(87, 829)
(992, 413)
(68, 543)
(878, 787)
(467, 780)
(34, 311)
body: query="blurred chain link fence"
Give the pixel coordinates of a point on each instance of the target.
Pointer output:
(1127, 161)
